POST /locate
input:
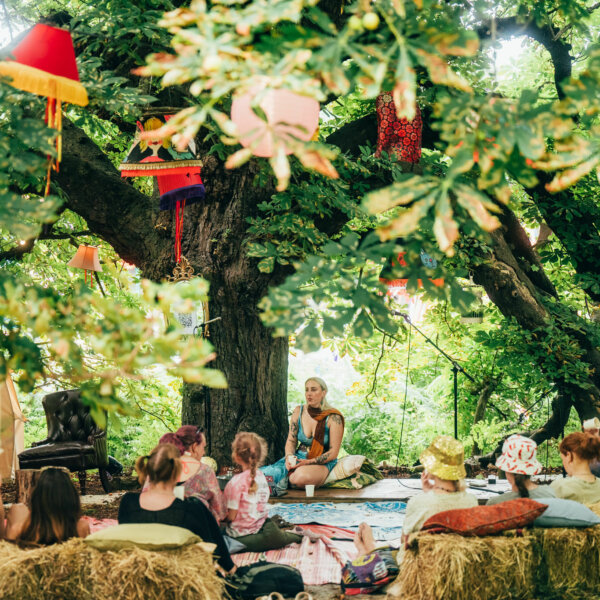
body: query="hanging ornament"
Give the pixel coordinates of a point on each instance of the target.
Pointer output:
(86, 258)
(148, 158)
(175, 192)
(288, 114)
(177, 173)
(400, 138)
(43, 63)
(474, 315)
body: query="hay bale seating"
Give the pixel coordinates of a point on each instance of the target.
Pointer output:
(557, 563)
(75, 571)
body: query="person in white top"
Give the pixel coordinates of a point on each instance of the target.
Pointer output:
(443, 489)
(519, 461)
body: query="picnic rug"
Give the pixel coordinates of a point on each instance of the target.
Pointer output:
(385, 518)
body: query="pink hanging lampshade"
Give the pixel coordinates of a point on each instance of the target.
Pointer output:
(86, 258)
(290, 114)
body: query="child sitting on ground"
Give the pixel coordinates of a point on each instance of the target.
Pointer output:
(247, 497)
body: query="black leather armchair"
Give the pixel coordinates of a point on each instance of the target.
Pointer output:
(74, 440)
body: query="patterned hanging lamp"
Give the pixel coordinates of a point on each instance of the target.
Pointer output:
(177, 173)
(86, 258)
(397, 286)
(400, 138)
(42, 62)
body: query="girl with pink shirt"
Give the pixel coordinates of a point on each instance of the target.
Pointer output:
(247, 499)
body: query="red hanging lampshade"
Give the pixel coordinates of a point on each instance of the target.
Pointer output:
(289, 114)
(400, 138)
(148, 158)
(43, 62)
(175, 192)
(86, 258)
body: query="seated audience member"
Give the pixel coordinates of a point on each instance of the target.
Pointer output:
(592, 426)
(443, 489)
(518, 460)
(158, 504)
(55, 514)
(577, 451)
(247, 497)
(196, 480)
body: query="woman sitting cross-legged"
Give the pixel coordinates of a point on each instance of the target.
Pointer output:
(443, 489)
(55, 514)
(158, 504)
(519, 461)
(577, 451)
(313, 443)
(196, 480)
(247, 497)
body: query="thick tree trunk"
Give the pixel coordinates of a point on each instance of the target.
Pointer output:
(255, 365)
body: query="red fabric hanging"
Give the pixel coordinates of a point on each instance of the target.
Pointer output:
(400, 138)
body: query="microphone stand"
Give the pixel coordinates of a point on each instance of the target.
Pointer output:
(456, 368)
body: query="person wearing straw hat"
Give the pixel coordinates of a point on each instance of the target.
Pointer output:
(443, 486)
(592, 426)
(519, 461)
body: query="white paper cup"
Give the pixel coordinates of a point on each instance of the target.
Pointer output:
(310, 490)
(293, 460)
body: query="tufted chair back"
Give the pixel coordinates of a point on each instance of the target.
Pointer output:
(68, 419)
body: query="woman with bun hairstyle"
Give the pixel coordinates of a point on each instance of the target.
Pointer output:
(577, 451)
(519, 461)
(196, 480)
(158, 504)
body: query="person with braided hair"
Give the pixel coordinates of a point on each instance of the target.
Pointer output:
(247, 498)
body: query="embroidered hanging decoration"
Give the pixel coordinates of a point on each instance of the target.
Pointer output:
(43, 62)
(288, 115)
(400, 138)
(177, 173)
(86, 258)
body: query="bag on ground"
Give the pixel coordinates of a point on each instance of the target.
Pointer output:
(262, 578)
(369, 572)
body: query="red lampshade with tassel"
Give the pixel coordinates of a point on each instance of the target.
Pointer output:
(397, 286)
(400, 138)
(42, 62)
(86, 258)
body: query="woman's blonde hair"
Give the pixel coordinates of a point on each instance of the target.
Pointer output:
(252, 450)
(323, 386)
(162, 465)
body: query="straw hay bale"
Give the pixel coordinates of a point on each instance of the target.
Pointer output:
(75, 571)
(454, 567)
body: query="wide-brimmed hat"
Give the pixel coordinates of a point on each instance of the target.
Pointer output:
(591, 424)
(445, 458)
(519, 456)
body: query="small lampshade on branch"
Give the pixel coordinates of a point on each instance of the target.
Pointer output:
(86, 258)
(42, 62)
(400, 138)
(289, 115)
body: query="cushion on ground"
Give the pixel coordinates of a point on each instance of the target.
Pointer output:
(345, 467)
(486, 520)
(565, 513)
(367, 475)
(149, 536)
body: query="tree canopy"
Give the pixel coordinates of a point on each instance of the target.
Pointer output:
(295, 245)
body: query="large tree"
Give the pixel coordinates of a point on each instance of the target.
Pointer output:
(495, 154)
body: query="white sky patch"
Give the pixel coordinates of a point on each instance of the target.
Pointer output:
(507, 57)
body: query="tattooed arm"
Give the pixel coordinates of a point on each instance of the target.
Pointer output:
(292, 439)
(336, 434)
